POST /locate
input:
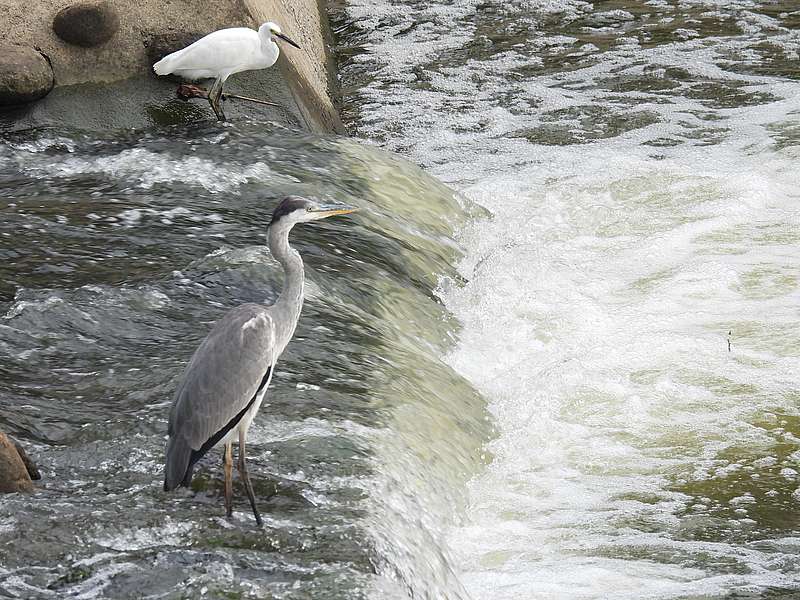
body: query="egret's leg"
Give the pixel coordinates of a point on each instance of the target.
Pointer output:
(246, 478)
(227, 457)
(214, 96)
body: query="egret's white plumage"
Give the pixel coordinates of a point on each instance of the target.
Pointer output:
(222, 53)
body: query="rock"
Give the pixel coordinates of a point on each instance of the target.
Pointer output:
(30, 466)
(86, 24)
(25, 75)
(303, 81)
(13, 474)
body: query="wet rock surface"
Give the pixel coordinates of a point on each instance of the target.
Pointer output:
(30, 466)
(25, 75)
(86, 24)
(14, 476)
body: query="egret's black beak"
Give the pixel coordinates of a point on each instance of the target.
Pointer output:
(286, 39)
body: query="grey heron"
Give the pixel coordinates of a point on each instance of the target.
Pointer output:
(227, 377)
(222, 53)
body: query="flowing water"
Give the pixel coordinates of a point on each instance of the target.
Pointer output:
(570, 373)
(119, 253)
(630, 310)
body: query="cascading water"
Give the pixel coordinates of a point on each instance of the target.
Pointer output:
(640, 161)
(121, 251)
(638, 164)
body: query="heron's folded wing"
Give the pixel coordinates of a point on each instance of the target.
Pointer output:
(224, 374)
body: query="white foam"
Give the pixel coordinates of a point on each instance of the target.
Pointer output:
(579, 288)
(600, 295)
(133, 217)
(146, 169)
(170, 533)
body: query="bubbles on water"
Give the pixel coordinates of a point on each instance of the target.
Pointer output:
(21, 306)
(7, 525)
(44, 144)
(168, 533)
(138, 216)
(146, 169)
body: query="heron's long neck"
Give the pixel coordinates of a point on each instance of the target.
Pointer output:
(290, 302)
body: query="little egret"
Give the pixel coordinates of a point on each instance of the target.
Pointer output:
(227, 377)
(222, 53)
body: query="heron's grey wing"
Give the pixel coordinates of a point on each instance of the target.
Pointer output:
(218, 386)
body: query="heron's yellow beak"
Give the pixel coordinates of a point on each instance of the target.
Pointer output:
(329, 210)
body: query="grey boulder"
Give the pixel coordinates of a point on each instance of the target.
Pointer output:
(25, 75)
(86, 24)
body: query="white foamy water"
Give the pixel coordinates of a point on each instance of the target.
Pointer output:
(596, 322)
(630, 312)
(145, 167)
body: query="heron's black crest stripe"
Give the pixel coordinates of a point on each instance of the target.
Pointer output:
(212, 441)
(288, 205)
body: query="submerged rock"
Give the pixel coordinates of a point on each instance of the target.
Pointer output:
(14, 476)
(25, 75)
(86, 24)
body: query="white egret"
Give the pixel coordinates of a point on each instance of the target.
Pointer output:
(222, 53)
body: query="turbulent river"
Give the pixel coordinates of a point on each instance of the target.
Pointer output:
(569, 371)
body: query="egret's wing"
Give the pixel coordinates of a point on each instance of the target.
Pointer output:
(219, 50)
(219, 385)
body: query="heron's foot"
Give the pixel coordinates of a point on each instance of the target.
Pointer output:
(248, 486)
(246, 478)
(227, 462)
(259, 520)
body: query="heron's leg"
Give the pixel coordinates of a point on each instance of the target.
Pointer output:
(214, 96)
(227, 456)
(246, 478)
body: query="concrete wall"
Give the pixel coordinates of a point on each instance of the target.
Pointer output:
(313, 68)
(150, 28)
